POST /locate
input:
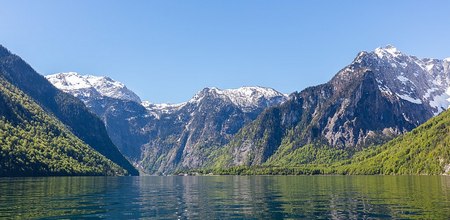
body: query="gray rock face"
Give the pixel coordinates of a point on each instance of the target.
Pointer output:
(188, 134)
(380, 95)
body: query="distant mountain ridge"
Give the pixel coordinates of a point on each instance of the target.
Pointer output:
(380, 95)
(247, 98)
(161, 138)
(88, 87)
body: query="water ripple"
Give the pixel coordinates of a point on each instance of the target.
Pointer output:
(227, 197)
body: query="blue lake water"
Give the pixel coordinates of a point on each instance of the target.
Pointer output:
(226, 197)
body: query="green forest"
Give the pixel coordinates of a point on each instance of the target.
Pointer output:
(34, 143)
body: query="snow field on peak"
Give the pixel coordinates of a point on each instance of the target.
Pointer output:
(244, 97)
(419, 81)
(88, 87)
(105, 86)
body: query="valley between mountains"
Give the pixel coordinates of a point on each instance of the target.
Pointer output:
(384, 113)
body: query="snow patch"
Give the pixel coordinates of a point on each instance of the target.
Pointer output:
(406, 117)
(429, 92)
(164, 108)
(403, 79)
(388, 51)
(410, 99)
(429, 67)
(383, 88)
(441, 102)
(403, 64)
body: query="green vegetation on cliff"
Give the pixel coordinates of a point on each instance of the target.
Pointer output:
(423, 151)
(66, 108)
(34, 143)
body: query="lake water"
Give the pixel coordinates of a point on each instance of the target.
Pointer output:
(227, 197)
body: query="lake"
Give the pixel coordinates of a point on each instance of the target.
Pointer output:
(226, 197)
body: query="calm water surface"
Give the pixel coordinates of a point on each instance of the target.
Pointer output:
(227, 197)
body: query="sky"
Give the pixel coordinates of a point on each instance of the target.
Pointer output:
(166, 51)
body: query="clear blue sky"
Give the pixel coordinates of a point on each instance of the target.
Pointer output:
(167, 50)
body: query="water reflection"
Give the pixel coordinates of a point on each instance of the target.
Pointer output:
(255, 197)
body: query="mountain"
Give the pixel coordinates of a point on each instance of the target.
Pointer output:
(423, 151)
(161, 138)
(201, 126)
(66, 108)
(35, 143)
(91, 87)
(380, 95)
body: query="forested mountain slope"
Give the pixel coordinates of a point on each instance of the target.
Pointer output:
(68, 109)
(34, 143)
(424, 150)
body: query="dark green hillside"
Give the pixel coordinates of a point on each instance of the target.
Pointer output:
(68, 109)
(33, 143)
(425, 150)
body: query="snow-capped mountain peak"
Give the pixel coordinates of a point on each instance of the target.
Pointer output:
(247, 97)
(88, 88)
(419, 81)
(387, 51)
(85, 86)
